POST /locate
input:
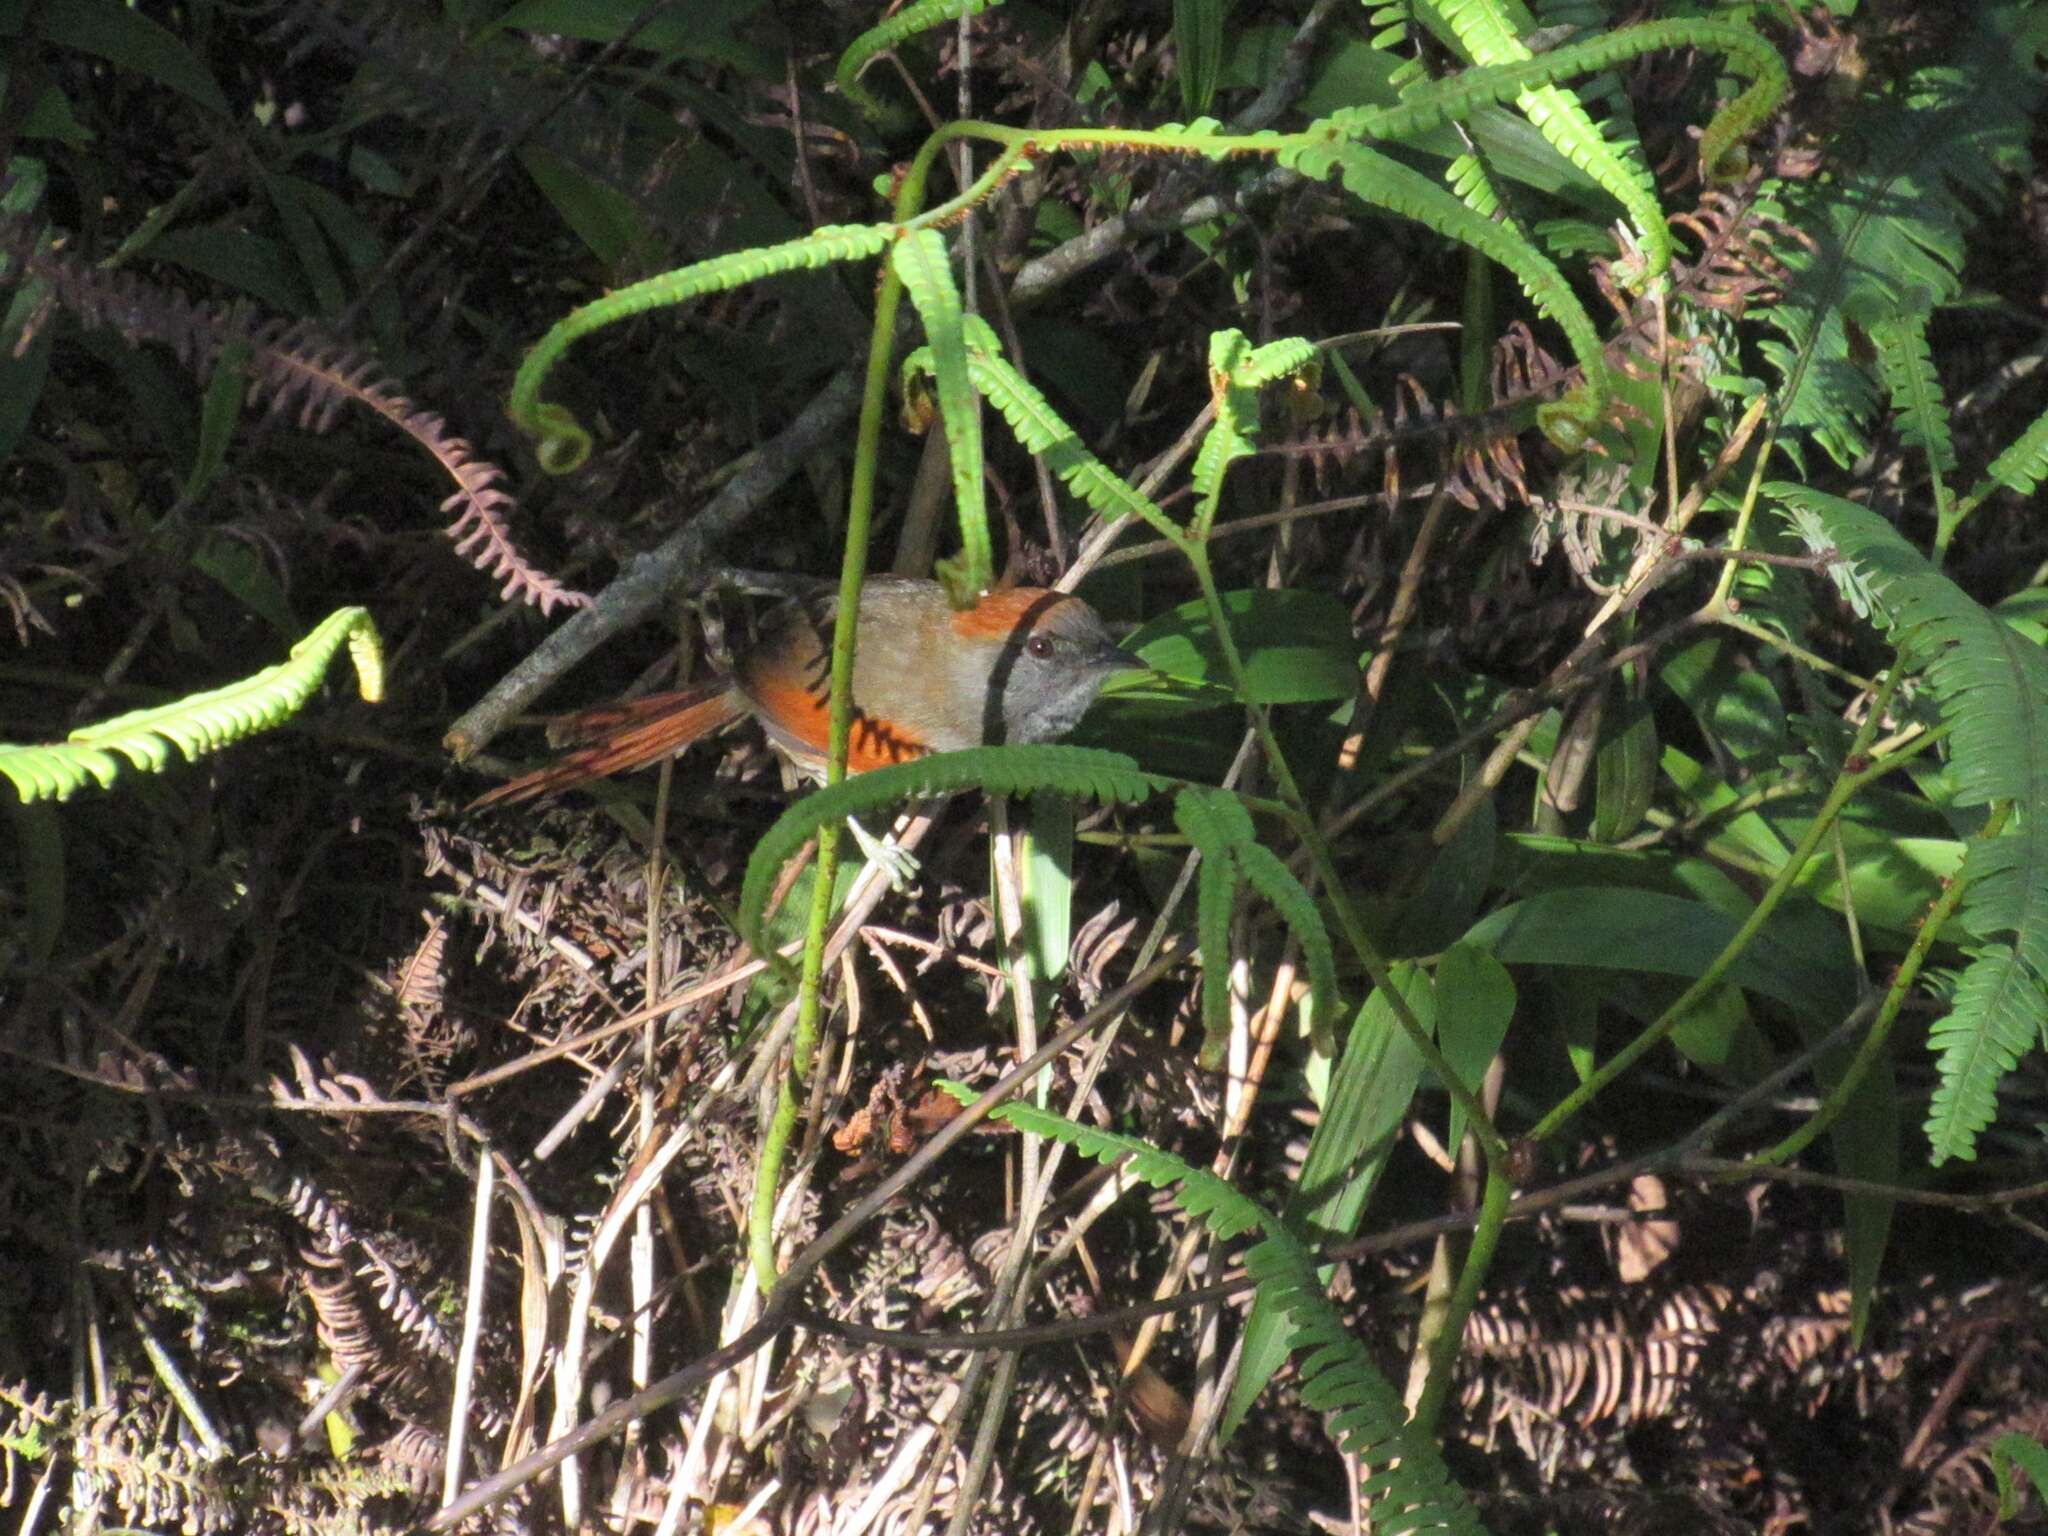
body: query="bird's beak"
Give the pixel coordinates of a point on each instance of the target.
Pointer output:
(1114, 658)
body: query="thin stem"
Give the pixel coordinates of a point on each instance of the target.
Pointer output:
(1450, 1338)
(853, 566)
(1730, 620)
(1845, 788)
(1490, 1142)
(1879, 1034)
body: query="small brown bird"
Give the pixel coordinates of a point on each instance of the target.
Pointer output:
(1021, 665)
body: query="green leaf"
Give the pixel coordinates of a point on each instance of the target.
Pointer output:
(1625, 777)
(1808, 969)
(1458, 879)
(308, 244)
(1709, 1032)
(602, 217)
(1475, 999)
(218, 417)
(2026, 1453)
(236, 259)
(1576, 1008)
(1865, 1144)
(1296, 646)
(130, 41)
(1737, 708)
(1749, 833)
(1048, 880)
(1198, 50)
(240, 570)
(23, 369)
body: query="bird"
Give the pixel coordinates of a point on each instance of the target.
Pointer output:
(1021, 664)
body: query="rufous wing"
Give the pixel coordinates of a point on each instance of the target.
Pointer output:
(618, 737)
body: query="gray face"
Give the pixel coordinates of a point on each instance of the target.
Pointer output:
(1049, 673)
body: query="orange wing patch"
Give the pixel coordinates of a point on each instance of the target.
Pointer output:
(801, 723)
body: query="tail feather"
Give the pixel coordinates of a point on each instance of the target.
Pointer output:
(617, 737)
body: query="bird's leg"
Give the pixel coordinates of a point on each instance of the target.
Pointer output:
(886, 855)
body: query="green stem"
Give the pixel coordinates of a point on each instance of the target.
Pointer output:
(1490, 1142)
(1727, 620)
(1493, 1210)
(1450, 1338)
(1875, 1040)
(1846, 786)
(853, 567)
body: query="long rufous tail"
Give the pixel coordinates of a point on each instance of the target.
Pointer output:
(617, 737)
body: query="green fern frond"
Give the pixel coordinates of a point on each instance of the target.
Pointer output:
(1219, 827)
(920, 260)
(1273, 880)
(2021, 467)
(1230, 437)
(1456, 98)
(1472, 184)
(1385, 183)
(561, 444)
(1887, 238)
(201, 722)
(900, 28)
(1278, 360)
(1215, 824)
(1040, 430)
(1487, 37)
(1237, 372)
(1410, 1488)
(1390, 27)
(1079, 772)
(1907, 365)
(1992, 687)
(1998, 1010)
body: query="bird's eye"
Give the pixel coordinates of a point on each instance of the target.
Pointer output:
(1039, 646)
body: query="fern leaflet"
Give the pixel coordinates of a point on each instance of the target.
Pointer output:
(1557, 114)
(1081, 772)
(901, 27)
(1907, 365)
(201, 722)
(1992, 687)
(563, 445)
(920, 260)
(2022, 466)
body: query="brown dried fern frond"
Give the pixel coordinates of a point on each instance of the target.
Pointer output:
(124, 1456)
(1736, 265)
(296, 369)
